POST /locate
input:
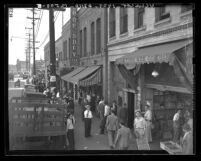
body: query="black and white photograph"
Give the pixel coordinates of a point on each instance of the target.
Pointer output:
(101, 77)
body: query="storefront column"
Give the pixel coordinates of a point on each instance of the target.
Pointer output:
(141, 87)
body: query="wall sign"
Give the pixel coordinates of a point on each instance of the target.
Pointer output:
(74, 57)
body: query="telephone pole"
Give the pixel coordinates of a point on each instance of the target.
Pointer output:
(33, 19)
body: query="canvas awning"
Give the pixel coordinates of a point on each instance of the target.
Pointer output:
(153, 54)
(73, 73)
(83, 74)
(95, 78)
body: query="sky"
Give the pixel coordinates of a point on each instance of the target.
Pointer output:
(17, 32)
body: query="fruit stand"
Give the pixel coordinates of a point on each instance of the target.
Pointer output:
(171, 147)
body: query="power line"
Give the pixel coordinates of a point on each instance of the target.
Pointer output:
(56, 16)
(39, 23)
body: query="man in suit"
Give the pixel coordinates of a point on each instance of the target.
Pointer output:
(123, 137)
(112, 127)
(87, 121)
(101, 111)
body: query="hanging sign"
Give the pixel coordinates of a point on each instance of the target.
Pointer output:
(74, 57)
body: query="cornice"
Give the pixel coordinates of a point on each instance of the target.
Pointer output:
(153, 34)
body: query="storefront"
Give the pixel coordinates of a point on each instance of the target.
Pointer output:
(88, 79)
(165, 79)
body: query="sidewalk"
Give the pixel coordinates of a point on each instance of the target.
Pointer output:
(97, 141)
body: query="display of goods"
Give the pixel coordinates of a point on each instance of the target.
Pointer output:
(171, 147)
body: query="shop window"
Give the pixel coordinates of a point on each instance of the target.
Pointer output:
(160, 13)
(138, 17)
(185, 8)
(92, 38)
(112, 22)
(98, 36)
(123, 20)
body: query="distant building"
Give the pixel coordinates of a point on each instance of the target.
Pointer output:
(21, 66)
(12, 68)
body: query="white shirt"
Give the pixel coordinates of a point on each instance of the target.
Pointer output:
(107, 110)
(176, 117)
(140, 123)
(148, 115)
(88, 98)
(88, 114)
(70, 124)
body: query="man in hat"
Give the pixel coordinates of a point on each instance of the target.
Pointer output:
(123, 114)
(187, 141)
(87, 120)
(148, 119)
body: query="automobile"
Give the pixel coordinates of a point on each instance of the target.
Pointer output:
(17, 77)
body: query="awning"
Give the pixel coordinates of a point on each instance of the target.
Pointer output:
(83, 74)
(73, 73)
(95, 78)
(153, 54)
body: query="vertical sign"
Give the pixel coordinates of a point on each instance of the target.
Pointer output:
(74, 57)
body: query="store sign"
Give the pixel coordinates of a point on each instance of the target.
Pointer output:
(74, 57)
(52, 78)
(148, 59)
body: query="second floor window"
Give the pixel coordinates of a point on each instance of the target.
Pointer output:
(85, 41)
(65, 49)
(98, 36)
(92, 39)
(138, 17)
(112, 22)
(123, 20)
(69, 47)
(160, 13)
(80, 43)
(185, 8)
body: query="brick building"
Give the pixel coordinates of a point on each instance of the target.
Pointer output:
(138, 41)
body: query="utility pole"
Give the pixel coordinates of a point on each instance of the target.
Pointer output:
(33, 19)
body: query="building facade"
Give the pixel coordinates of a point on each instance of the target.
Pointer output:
(21, 66)
(129, 31)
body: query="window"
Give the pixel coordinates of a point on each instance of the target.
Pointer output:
(65, 49)
(92, 39)
(80, 43)
(112, 22)
(138, 17)
(160, 13)
(185, 8)
(98, 35)
(85, 41)
(69, 46)
(123, 20)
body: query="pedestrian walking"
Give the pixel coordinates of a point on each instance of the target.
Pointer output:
(123, 137)
(187, 140)
(148, 119)
(101, 110)
(87, 120)
(112, 127)
(161, 120)
(176, 126)
(106, 114)
(139, 125)
(123, 114)
(83, 107)
(70, 131)
(114, 107)
(93, 102)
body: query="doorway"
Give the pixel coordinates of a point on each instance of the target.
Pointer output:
(131, 104)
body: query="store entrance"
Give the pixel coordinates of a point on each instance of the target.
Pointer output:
(131, 104)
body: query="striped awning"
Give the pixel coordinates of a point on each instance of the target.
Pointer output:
(84, 74)
(95, 78)
(73, 73)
